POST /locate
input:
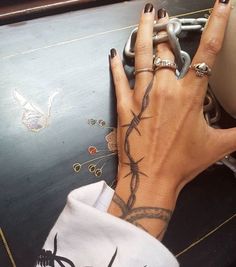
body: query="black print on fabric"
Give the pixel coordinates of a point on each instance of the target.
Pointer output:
(48, 258)
(113, 259)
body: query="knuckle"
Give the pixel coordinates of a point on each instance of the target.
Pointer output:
(193, 101)
(191, 98)
(220, 14)
(117, 78)
(121, 105)
(212, 45)
(117, 74)
(142, 48)
(115, 66)
(145, 21)
(163, 48)
(164, 92)
(137, 100)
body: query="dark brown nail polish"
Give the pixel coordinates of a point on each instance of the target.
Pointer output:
(113, 52)
(161, 13)
(148, 8)
(224, 1)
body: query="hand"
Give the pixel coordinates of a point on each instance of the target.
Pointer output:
(163, 138)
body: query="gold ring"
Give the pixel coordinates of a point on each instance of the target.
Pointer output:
(143, 70)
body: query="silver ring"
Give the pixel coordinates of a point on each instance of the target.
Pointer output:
(201, 69)
(159, 63)
(143, 70)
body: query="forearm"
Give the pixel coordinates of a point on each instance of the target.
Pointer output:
(153, 203)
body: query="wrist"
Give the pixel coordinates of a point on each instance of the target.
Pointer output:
(144, 201)
(152, 208)
(153, 187)
(156, 194)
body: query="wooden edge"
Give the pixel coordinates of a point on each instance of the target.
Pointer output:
(34, 9)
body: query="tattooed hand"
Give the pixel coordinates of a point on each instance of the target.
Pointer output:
(163, 138)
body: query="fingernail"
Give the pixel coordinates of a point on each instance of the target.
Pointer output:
(161, 13)
(113, 52)
(148, 8)
(224, 1)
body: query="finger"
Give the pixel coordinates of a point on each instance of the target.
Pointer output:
(144, 46)
(164, 75)
(210, 44)
(163, 49)
(119, 77)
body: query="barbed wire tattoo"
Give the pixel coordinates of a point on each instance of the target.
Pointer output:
(134, 165)
(128, 212)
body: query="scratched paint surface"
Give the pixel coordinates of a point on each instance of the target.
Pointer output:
(37, 169)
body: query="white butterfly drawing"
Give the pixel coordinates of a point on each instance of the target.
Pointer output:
(33, 117)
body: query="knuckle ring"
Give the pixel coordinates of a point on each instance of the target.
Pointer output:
(143, 70)
(163, 63)
(201, 69)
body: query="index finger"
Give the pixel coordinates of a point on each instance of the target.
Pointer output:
(211, 43)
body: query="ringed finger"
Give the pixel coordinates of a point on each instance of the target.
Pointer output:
(210, 44)
(144, 46)
(163, 50)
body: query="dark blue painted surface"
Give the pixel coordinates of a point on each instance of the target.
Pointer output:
(68, 53)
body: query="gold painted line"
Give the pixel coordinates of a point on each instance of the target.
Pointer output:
(67, 42)
(205, 236)
(191, 13)
(89, 36)
(7, 248)
(108, 127)
(101, 157)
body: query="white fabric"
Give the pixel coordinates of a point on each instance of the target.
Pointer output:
(88, 236)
